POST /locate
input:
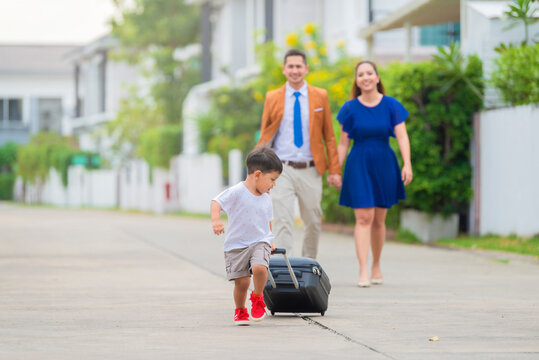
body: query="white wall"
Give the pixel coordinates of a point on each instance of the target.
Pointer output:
(200, 180)
(342, 20)
(138, 192)
(290, 16)
(120, 76)
(91, 188)
(509, 171)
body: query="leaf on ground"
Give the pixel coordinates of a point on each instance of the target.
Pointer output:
(434, 338)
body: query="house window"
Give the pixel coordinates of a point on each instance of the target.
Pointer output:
(15, 109)
(11, 109)
(439, 35)
(50, 115)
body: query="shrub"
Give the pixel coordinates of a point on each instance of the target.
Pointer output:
(158, 145)
(439, 127)
(516, 75)
(46, 150)
(8, 158)
(7, 181)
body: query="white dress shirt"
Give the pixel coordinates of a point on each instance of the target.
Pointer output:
(283, 144)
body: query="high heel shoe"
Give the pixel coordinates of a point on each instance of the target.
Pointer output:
(379, 281)
(364, 284)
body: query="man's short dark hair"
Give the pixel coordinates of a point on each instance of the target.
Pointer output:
(263, 159)
(295, 52)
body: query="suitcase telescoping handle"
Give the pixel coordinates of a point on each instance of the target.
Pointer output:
(292, 275)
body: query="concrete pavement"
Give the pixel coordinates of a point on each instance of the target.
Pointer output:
(101, 284)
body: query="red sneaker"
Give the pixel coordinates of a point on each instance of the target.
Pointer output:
(258, 307)
(241, 317)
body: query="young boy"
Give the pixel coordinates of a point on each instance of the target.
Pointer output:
(249, 240)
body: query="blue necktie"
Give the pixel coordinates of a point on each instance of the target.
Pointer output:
(298, 136)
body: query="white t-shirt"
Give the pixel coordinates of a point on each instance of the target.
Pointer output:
(249, 217)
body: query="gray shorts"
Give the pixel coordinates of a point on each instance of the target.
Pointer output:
(238, 262)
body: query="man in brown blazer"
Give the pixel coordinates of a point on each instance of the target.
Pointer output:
(297, 124)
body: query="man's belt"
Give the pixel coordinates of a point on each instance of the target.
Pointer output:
(299, 164)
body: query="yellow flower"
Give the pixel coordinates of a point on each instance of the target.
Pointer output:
(323, 51)
(223, 99)
(309, 28)
(292, 39)
(337, 91)
(258, 96)
(340, 44)
(310, 45)
(316, 59)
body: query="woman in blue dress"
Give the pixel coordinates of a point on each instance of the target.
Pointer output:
(372, 180)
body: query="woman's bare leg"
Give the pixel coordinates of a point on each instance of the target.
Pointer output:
(378, 238)
(362, 236)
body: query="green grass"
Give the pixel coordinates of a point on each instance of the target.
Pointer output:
(511, 243)
(406, 237)
(192, 215)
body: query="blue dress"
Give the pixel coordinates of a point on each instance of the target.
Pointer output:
(372, 177)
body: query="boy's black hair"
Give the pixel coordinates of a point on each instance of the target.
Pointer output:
(263, 159)
(295, 52)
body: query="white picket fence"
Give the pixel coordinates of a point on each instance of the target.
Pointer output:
(189, 185)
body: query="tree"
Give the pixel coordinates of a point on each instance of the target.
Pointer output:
(151, 33)
(521, 12)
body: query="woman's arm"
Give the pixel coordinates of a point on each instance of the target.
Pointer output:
(404, 146)
(342, 148)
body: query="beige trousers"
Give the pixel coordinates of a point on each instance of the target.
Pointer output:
(306, 186)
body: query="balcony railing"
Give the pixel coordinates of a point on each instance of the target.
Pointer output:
(13, 125)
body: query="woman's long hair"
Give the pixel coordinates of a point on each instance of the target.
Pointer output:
(356, 91)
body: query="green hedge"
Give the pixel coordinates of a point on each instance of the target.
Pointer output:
(8, 159)
(46, 150)
(158, 145)
(7, 181)
(516, 75)
(440, 130)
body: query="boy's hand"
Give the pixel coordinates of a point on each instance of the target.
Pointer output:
(272, 247)
(218, 227)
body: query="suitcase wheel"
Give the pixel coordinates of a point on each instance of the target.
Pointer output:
(273, 313)
(322, 313)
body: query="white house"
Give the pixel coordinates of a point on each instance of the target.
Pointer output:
(229, 28)
(36, 83)
(99, 86)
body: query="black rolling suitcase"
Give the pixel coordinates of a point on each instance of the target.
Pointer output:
(299, 285)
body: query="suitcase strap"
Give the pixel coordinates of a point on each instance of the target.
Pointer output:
(292, 275)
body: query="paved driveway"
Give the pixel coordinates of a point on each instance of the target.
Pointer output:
(89, 284)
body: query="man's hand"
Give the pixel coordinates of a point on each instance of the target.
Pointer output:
(218, 227)
(335, 180)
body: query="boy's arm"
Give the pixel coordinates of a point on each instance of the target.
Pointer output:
(217, 224)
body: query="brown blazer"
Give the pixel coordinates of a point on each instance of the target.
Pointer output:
(320, 126)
